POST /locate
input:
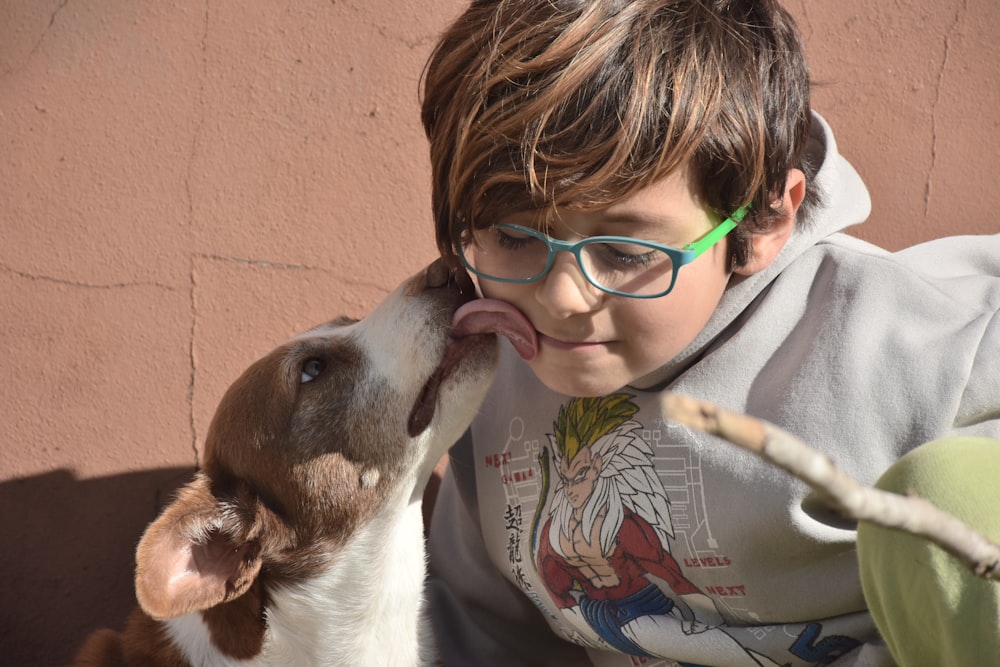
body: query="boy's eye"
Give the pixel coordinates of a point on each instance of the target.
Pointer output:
(624, 256)
(512, 239)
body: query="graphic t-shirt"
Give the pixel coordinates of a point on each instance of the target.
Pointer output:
(602, 508)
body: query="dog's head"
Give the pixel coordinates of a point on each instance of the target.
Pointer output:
(314, 439)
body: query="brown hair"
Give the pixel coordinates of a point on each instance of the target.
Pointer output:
(535, 104)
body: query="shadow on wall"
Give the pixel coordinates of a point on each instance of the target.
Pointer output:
(68, 557)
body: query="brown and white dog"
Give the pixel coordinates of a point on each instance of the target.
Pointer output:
(300, 540)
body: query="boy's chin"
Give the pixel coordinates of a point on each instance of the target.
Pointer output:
(578, 383)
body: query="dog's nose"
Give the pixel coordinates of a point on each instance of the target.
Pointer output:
(438, 274)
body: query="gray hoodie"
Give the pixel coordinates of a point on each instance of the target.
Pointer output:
(690, 550)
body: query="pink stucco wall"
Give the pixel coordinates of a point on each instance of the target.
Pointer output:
(185, 184)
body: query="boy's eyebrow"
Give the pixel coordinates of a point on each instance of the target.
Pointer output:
(638, 222)
(660, 226)
(643, 218)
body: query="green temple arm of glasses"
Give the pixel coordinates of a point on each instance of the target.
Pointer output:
(714, 236)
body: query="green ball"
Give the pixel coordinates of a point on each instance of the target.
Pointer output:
(930, 608)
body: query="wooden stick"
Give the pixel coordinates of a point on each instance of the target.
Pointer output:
(854, 500)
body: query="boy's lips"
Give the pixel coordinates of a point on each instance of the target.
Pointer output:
(564, 344)
(481, 316)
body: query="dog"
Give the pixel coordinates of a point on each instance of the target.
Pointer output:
(300, 540)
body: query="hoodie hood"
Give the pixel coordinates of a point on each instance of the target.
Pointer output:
(844, 202)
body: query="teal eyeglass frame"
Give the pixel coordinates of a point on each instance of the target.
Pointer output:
(678, 256)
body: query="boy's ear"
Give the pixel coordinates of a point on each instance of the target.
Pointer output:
(187, 562)
(766, 245)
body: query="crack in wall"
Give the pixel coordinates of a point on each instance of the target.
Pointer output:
(199, 123)
(248, 262)
(41, 38)
(939, 84)
(261, 263)
(193, 364)
(83, 285)
(196, 136)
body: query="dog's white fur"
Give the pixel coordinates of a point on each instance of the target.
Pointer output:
(301, 627)
(301, 540)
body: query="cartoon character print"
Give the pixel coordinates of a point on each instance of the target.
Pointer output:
(603, 550)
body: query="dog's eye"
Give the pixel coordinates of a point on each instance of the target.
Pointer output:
(311, 370)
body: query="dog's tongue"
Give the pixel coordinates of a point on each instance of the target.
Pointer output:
(481, 316)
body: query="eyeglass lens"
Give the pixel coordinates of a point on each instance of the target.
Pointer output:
(630, 268)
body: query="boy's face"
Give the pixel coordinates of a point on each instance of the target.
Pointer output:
(591, 343)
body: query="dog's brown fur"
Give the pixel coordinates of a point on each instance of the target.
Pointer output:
(295, 467)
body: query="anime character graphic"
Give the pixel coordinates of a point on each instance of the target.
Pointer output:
(603, 551)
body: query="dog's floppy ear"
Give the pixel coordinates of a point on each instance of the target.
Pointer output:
(195, 555)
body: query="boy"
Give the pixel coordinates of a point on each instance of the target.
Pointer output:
(576, 525)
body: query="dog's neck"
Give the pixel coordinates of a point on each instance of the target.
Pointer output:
(384, 567)
(367, 605)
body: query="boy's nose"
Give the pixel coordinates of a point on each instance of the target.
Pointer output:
(564, 291)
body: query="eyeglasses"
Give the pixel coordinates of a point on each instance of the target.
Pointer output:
(618, 265)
